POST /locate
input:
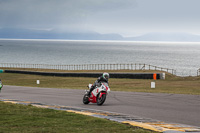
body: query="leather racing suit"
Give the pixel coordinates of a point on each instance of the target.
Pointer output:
(97, 83)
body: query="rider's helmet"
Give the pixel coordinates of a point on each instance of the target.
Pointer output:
(106, 76)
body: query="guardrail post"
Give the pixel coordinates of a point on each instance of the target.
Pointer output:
(199, 72)
(135, 66)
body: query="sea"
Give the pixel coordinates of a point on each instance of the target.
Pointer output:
(184, 57)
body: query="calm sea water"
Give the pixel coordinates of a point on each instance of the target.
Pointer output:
(184, 57)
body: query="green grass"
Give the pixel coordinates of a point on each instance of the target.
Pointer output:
(28, 119)
(172, 84)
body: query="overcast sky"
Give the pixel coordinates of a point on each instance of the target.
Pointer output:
(125, 17)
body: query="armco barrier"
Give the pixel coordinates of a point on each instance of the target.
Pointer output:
(95, 75)
(129, 66)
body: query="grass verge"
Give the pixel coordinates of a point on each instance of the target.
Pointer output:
(172, 84)
(20, 118)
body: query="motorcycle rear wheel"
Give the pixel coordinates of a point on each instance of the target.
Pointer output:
(85, 99)
(101, 100)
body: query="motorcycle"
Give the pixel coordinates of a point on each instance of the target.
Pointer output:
(98, 95)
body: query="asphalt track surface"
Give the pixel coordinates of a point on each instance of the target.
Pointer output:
(175, 108)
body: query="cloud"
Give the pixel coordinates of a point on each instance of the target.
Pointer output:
(54, 13)
(151, 16)
(126, 17)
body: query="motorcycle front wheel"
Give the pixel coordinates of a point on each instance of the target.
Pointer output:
(85, 99)
(101, 100)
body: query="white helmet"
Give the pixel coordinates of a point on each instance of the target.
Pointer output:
(106, 76)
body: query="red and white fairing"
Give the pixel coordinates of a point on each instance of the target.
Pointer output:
(103, 89)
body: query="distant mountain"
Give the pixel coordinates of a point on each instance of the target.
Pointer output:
(171, 37)
(16, 33)
(53, 34)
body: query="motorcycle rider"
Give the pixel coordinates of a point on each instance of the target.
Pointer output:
(103, 78)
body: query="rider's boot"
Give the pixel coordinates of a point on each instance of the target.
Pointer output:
(89, 93)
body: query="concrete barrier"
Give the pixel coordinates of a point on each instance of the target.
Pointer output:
(94, 75)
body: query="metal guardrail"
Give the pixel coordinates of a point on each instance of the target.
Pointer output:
(130, 66)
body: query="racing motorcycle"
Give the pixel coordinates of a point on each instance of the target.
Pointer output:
(98, 95)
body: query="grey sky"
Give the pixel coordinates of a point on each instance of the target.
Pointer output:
(125, 17)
